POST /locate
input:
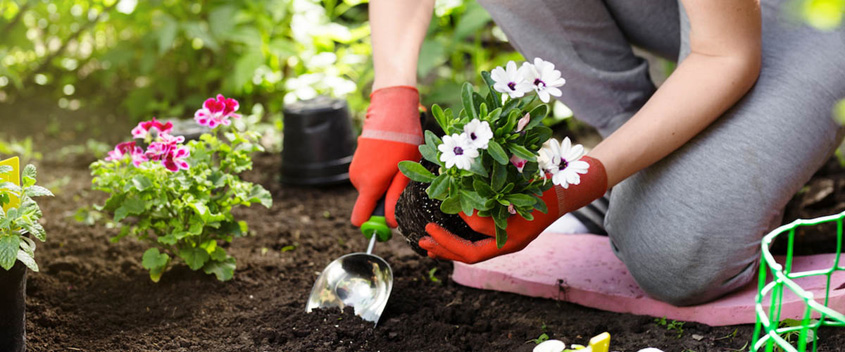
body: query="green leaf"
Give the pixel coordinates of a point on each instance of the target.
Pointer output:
(537, 116)
(466, 98)
(9, 246)
(153, 259)
(475, 200)
(27, 260)
(521, 200)
(257, 194)
(29, 172)
(439, 187)
(477, 167)
(451, 205)
(5, 169)
(194, 257)
(429, 153)
(500, 176)
(540, 205)
(141, 182)
(466, 205)
(37, 191)
(440, 118)
(201, 210)
(483, 189)
(415, 171)
(497, 152)
(521, 152)
(223, 270)
(36, 230)
(496, 97)
(501, 237)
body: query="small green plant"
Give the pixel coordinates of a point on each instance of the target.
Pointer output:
(20, 217)
(792, 336)
(179, 198)
(674, 325)
(431, 276)
(540, 339)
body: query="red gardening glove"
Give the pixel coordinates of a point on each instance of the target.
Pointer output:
(391, 133)
(442, 244)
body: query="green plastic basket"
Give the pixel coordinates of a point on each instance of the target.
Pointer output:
(768, 331)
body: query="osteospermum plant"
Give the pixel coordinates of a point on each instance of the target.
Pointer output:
(178, 197)
(19, 218)
(496, 158)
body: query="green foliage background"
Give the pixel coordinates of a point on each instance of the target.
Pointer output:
(163, 57)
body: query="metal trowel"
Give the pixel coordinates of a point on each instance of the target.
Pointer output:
(359, 280)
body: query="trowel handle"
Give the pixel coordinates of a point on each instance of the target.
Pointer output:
(377, 224)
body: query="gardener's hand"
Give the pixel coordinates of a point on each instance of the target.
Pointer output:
(443, 244)
(391, 134)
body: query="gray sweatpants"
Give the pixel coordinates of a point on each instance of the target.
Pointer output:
(689, 227)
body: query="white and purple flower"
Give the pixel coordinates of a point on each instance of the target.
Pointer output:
(511, 80)
(544, 79)
(217, 111)
(478, 133)
(563, 161)
(458, 151)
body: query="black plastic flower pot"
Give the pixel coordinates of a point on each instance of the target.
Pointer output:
(13, 308)
(318, 143)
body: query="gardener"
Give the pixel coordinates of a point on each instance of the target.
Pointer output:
(701, 168)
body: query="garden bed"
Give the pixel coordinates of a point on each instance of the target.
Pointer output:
(93, 295)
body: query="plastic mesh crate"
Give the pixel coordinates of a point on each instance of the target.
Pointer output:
(768, 331)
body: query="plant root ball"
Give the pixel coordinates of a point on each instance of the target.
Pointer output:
(415, 210)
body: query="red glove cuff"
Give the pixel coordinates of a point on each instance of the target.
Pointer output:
(394, 115)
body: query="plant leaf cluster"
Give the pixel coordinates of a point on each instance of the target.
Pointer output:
(17, 222)
(187, 214)
(493, 186)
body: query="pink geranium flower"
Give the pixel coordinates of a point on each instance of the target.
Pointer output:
(151, 128)
(120, 151)
(165, 145)
(217, 111)
(175, 160)
(138, 156)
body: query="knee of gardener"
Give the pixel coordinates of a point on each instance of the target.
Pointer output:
(688, 281)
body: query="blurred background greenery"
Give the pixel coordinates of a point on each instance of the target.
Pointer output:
(111, 61)
(164, 57)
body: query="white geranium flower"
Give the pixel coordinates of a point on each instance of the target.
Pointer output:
(544, 78)
(511, 81)
(479, 133)
(550, 346)
(457, 151)
(564, 162)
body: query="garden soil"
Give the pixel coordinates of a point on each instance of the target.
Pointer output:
(93, 295)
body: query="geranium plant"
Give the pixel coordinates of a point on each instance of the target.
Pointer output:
(496, 156)
(20, 216)
(178, 197)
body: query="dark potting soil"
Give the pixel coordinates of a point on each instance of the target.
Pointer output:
(415, 210)
(93, 295)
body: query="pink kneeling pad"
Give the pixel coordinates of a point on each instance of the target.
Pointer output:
(582, 269)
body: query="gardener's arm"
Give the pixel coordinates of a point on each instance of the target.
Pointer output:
(398, 29)
(723, 65)
(392, 129)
